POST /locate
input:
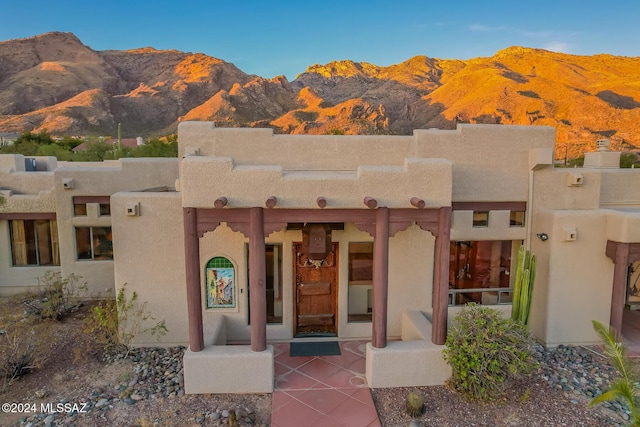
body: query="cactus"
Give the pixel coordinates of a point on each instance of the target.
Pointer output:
(523, 286)
(415, 404)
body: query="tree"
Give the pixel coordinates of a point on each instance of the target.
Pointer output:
(627, 160)
(157, 148)
(96, 152)
(61, 153)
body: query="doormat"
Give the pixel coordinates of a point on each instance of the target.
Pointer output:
(318, 348)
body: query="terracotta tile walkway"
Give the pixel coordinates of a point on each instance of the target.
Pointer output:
(322, 391)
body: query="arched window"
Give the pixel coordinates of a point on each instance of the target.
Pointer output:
(220, 283)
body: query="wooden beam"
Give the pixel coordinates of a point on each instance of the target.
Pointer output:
(370, 202)
(27, 215)
(380, 278)
(321, 202)
(619, 291)
(257, 280)
(271, 202)
(441, 278)
(220, 202)
(192, 277)
(417, 202)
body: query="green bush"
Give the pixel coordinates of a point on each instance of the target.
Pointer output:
(625, 388)
(57, 295)
(486, 352)
(114, 324)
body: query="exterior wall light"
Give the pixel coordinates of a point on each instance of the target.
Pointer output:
(543, 236)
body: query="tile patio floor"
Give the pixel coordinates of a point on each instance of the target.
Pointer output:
(322, 391)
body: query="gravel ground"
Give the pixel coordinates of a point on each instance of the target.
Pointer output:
(556, 395)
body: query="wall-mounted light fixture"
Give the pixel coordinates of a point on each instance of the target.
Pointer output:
(543, 236)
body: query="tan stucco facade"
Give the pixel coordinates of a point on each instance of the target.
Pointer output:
(475, 167)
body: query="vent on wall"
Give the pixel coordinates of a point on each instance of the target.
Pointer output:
(67, 183)
(569, 234)
(133, 209)
(575, 179)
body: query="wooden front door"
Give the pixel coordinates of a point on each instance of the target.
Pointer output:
(316, 292)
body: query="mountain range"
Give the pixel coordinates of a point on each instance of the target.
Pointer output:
(54, 82)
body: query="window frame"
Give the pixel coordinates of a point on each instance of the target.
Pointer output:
(92, 249)
(52, 244)
(356, 283)
(480, 223)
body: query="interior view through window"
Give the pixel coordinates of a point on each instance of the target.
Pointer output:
(480, 272)
(360, 281)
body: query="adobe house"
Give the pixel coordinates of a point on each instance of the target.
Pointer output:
(251, 238)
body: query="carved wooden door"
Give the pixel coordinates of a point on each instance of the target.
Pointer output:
(316, 292)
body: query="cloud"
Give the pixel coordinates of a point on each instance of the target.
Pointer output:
(485, 28)
(557, 47)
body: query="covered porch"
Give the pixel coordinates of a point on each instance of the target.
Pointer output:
(204, 362)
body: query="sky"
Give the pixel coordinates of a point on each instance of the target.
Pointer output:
(271, 38)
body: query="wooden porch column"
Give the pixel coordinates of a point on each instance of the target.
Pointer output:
(380, 278)
(192, 276)
(441, 278)
(257, 280)
(618, 295)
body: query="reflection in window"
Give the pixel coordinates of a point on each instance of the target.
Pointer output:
(79, 209)
(480, 218)
(94, 243)
(360, 281)
(479, 272)
(516, 219)
(34, 242)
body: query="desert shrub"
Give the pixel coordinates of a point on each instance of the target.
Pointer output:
(57, 295)
(115, 323)
(16, 355)
(486, 352)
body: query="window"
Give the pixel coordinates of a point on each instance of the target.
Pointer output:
(516, 219)
(273, 268)
(79, 209)
(105, 209)
(80, 205)
(480, 272)
(34, 242)
(360, 281)
(94, 243)
(480, 218)
(220, 283)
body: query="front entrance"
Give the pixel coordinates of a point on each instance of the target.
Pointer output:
(316, 292)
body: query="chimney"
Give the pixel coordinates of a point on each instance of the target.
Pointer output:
(603, 158)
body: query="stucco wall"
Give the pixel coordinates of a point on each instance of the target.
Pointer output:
(244, 186)
(573, 279)
(620, 188)
(149, 259)
(101, 180)
(490, 163)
